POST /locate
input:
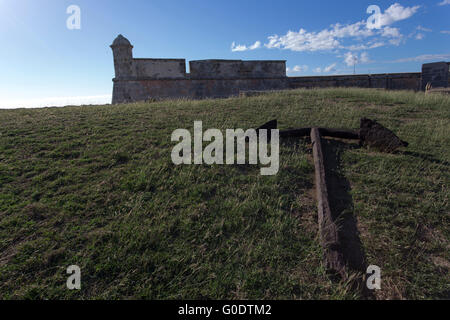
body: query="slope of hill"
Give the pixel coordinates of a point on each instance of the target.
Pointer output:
(96, 187)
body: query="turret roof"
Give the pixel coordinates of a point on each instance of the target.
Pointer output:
(121, 41)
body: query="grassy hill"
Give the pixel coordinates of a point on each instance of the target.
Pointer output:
(96, 187)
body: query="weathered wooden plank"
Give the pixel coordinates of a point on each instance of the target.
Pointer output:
(370, 133)
(326, 132)
(304, 132)
(339, 133)
(295, 133)
(328, 229)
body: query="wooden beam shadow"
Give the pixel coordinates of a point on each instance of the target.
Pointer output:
(341, 205)
(343, 215)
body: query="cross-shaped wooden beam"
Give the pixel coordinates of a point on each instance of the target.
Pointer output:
(371, 133)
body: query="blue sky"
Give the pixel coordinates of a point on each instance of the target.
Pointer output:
(44, 63)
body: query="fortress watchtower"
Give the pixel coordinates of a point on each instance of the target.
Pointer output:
(123, 57)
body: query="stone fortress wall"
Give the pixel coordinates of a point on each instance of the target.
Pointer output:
(159, 68)
(144, 79)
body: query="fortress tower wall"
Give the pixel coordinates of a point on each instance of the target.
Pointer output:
(123, 57)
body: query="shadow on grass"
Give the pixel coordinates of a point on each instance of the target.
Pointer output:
(424, 156)
(342, 209)
(342, 203)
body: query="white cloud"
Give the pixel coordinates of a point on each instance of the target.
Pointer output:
(370, 45)
(420, 28)
(350, 58)
(357, 29)
(55, 102)
(240, 47)
(335, 36)
(396, 12)
(357, 47)
(425, 57)
(396, 41)
(376, 45)
(297, 69)
(330, 68)
(327, 39)
(391, 32)
(444, 2)
(304, 41)
(445, 31)
(256, 45)
(364, 58)
(418, 33)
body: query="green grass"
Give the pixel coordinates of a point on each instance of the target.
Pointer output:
(96, 187)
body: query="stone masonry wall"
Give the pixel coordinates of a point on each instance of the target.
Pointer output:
(237, 69)
(159, 68)
(140, 90)
(436, 74)
(392, 81)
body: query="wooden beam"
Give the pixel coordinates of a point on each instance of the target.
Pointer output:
(370, 133)
(328, 229)
(326, 132)
(340, 133)
(295, 133)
